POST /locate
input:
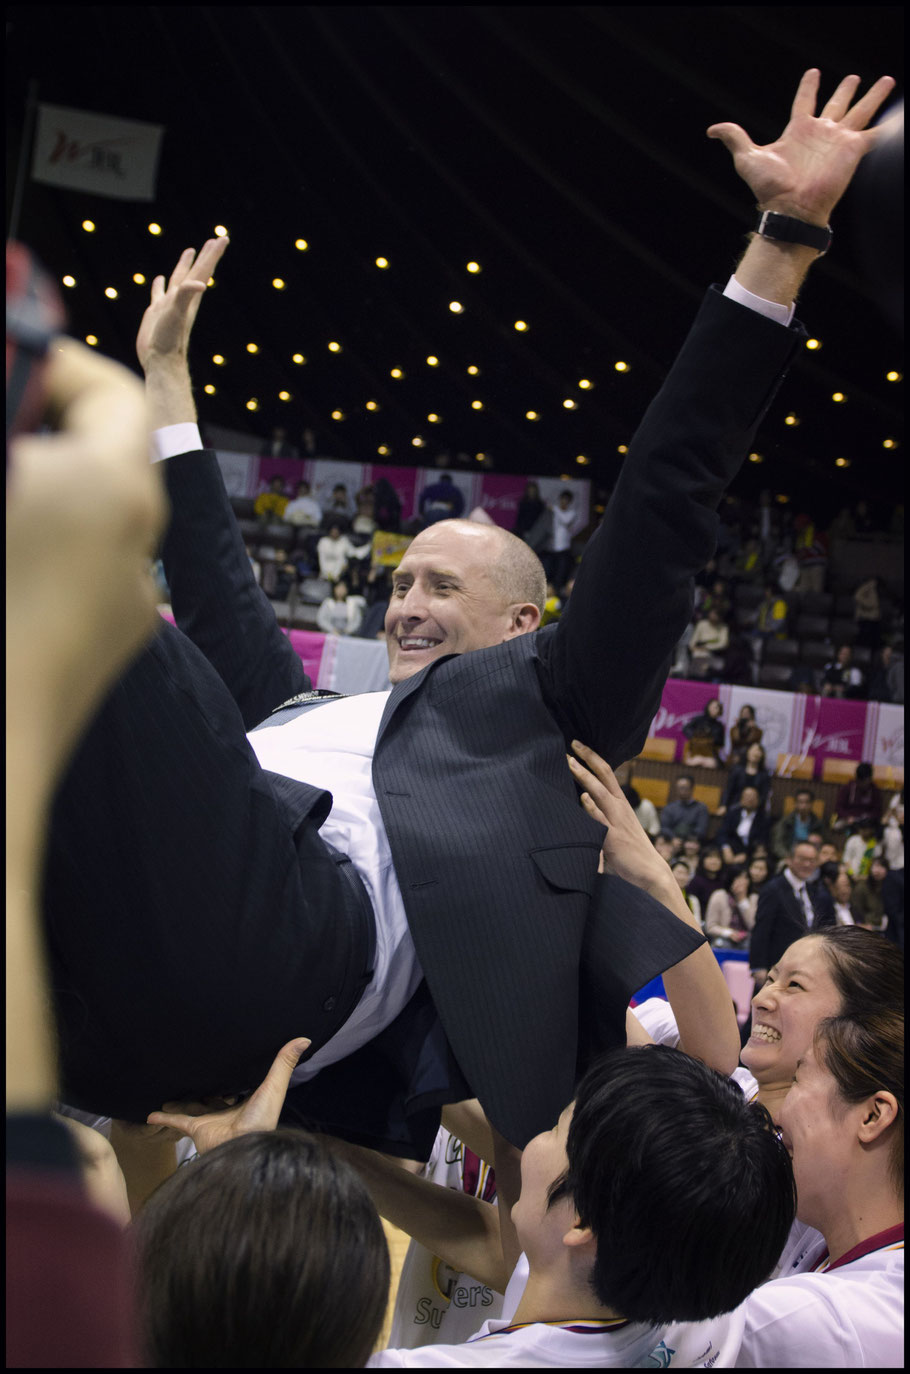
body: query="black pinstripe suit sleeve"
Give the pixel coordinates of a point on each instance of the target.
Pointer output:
(605, 665)
(216, 600)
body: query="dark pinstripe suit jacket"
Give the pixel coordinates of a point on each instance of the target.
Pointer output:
(495, 859)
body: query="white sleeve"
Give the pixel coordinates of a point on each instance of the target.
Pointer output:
(170, 440)
(782, 314)
(656, 1015)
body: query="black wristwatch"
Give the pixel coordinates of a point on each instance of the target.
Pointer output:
(788, 230)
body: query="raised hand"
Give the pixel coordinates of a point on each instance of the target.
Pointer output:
(258, 1113)
(806, 171)
(167, 323)
(627, 850)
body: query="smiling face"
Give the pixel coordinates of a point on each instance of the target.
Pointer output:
(818, 1133)
(446, 599)
(755, 755)
(803, 862)
(798, 993)
(543, 1161)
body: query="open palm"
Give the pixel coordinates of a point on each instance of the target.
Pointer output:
(168, 321)
(806, 171)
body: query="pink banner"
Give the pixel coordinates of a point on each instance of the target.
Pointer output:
(290, 470)
(404, 480)
(832, 729)
(680, 701)
(499, 497)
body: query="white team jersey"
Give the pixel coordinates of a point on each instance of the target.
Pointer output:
(435, 1303)
(656, 1016)
(533, 1345)
(851, 1317)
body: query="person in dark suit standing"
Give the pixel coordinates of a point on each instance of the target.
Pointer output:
(744, 826)
(788, 906)
(217, 846)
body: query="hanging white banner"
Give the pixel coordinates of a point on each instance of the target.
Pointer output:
(100, 154)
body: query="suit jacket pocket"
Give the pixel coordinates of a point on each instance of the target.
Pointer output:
(568, 868)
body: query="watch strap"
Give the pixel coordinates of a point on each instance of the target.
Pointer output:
(785, 228)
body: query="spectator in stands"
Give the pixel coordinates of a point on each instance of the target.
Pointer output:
(893, 831)
(340, 508)
(665, 847)
(857, 801)
(730, 915)
(254, 563)
(708, 645)
(278, 446)
(335, 551)
(644, 809)
(271, 504)
(304, 509)
(558, 559)
(386, 506)
(683, 875)
(365, 517)
(842, 526)
(798, 825)
(341, 613)
(788, 907)
(867, 612)
(759, 871)
(691, 851)
(830, 853)
(882, 676)
(684, 815)
(441, 501)
(708, 877)
(264, 1252)
(751, 773)
(552, 607)
(704, 737)
(811, 549)
(530, 509)
(868, 898)
(840, 885)
(770, 618)
(841, 677)
(744, 826)
(743, 732)
(716, 598)
(861, 848)
(279, 576)
(748, 566)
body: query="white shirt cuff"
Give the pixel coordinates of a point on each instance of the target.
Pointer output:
(170, 440)
(783, 314)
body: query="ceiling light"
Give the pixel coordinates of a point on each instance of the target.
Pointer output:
(89, 226)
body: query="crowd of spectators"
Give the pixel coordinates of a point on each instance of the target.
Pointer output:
(766, 612)
(722, 859)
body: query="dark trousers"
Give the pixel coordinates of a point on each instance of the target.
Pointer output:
(195, 919)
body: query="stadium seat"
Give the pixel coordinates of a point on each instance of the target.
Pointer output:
(661, 750)
(812, 627)
(242, 507)
(842, 631)
(780, 651)
(817, 603)
(708, 793)
(818, 806)
(793, 766)
(838, 770)
(776, 675)
(844, 606)
(814, 654)
(656, 790)
(746, 594)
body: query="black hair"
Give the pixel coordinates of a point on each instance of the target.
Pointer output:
(631, 796)
(863, 772)
(867, 970)
(685, 1185)
(686, 777)
(266, 1253)
(830, 871)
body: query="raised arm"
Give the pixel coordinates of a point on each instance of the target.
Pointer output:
(605, 663)
(215, 597)
(695, 987)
